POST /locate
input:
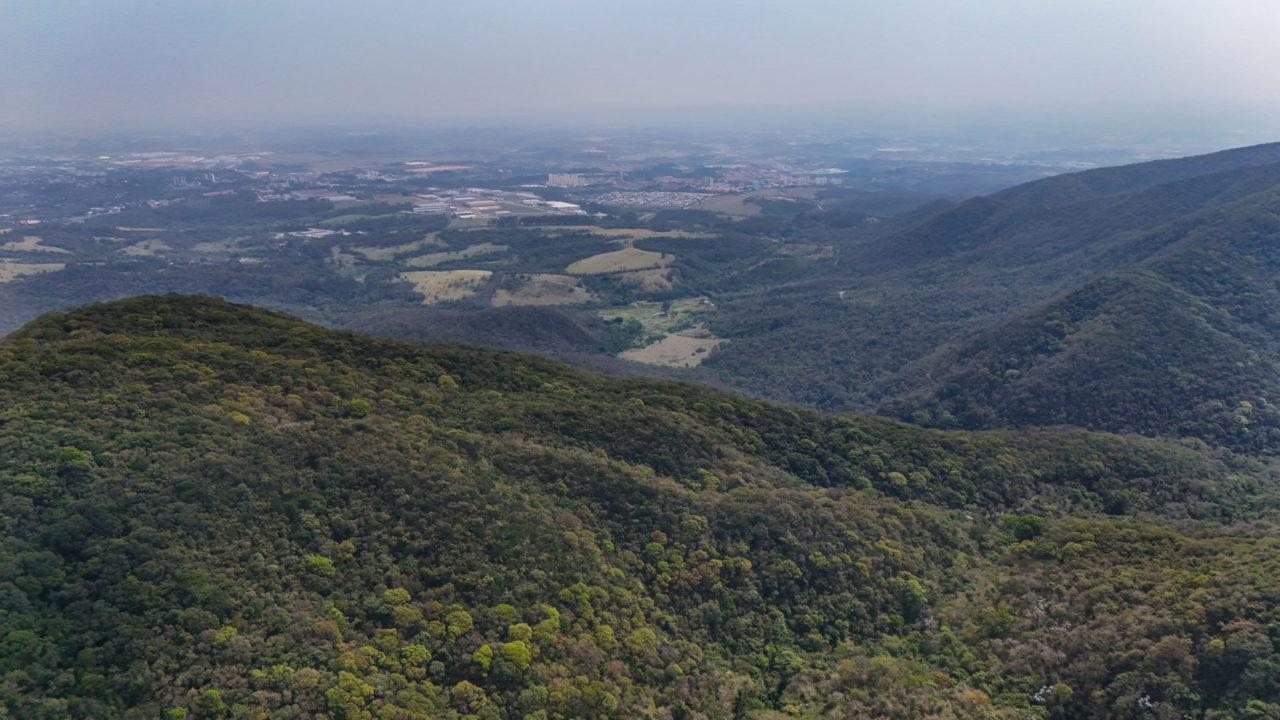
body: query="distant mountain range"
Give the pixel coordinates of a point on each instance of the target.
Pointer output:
(1141, 298)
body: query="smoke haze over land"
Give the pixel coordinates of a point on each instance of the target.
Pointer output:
(1207, 69)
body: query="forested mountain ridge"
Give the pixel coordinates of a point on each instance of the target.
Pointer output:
(213, 511)
(1072, 187)
(1021, 229)
(1136, 299)
(1186, 343)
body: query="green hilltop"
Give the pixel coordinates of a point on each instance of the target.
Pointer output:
(215, 511)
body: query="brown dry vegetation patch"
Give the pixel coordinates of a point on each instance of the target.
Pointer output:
(442, 285)
(544, 289)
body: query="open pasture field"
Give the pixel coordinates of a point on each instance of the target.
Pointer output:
(632, 233)
(440, 258)
(10, 270)
(437, 286)
(543, 289)
(686, 349)
(146, 248)
(624, 260)
(32, 243)
(738, 205)
(652, 280)
(217, 246)
(659, 320)
(387, 253)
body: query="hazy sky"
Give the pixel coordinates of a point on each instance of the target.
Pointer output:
(120, 63)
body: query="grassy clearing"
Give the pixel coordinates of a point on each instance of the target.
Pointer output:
(347, 265)
(675, 333)
(624, 260)
(474, 223)
(687, 349)
(734, 205)
(443, 285)
(32, 243)
(376, 253)
(10, 270)
(520, 208)
(440, 258)
(543, 289)
(632, 233)
(653, 280)
(659, 319)
(738, 206)
(217, 246)
(146, 247)
(346, 219)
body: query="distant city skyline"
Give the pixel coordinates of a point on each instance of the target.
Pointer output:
(1210, 70)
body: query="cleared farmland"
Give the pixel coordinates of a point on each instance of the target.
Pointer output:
(739, 205)
(624, 260)
(145, 248)
(10, 270)
(440, 258)
(443, 285)
(659, 319)
(685, 349)
(652, 280)
(376, 253)
(632, 233)
(32, 243)
(543, 289)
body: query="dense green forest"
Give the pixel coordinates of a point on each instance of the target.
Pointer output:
(214, 511)
(1135, 299)
(1183, 344)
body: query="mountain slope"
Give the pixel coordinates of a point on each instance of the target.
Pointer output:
(1161, 274)
(1033, 229)
(1122, 179)
(214, 511)
(1183, 344)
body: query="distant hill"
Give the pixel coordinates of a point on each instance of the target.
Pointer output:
(1139, 298)
(1185, 343)
(1125, 179)
(215, 511)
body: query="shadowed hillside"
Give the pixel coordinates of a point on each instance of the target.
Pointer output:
(1139, 298)
(1183, 344)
